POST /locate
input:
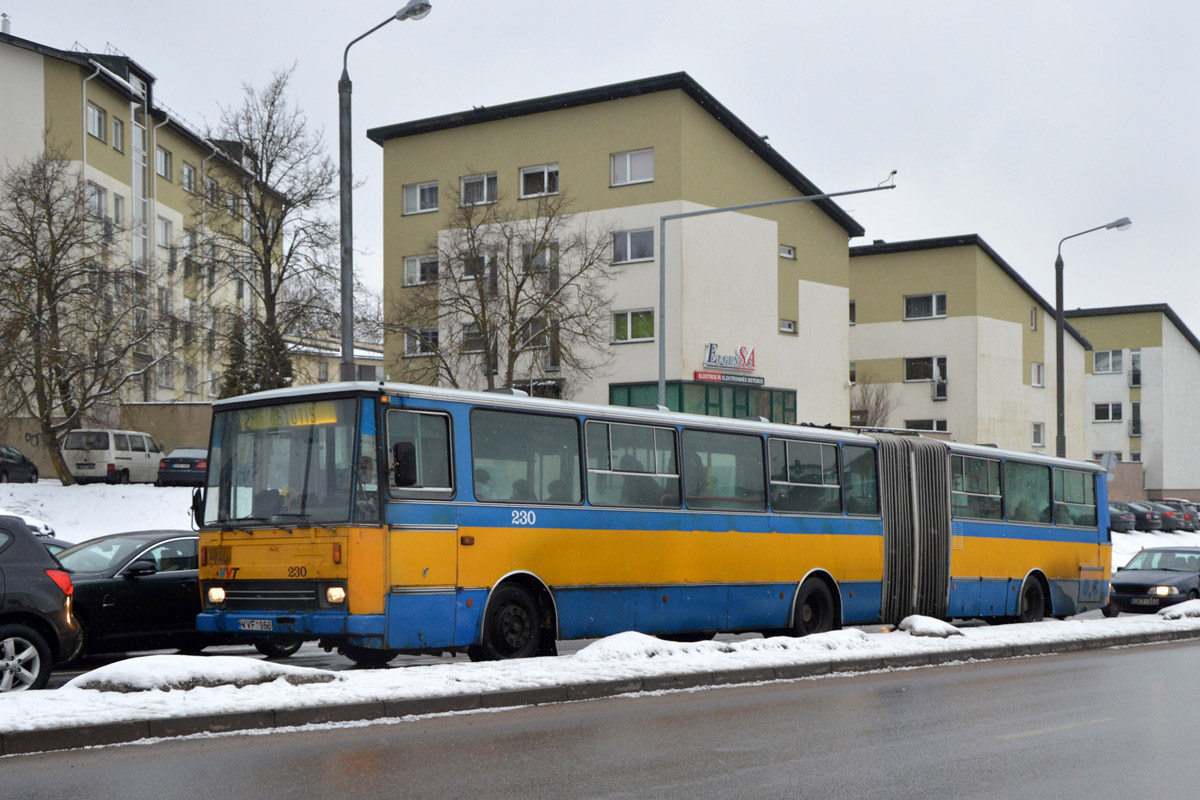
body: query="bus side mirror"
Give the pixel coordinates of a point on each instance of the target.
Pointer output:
(198, 505)
(404, 456)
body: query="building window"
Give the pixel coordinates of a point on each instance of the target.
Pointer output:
(96, 121)
(472, 340)
(191, 379)
(421, 198)
(1106, 362)
(1033, 318)
(212, 191)
(1135, 418)
(118, 141)
(479, 265)
(633, 246)
(1037, 374)
(853, 372)
(322, 371)
(787, 251)
(420, 269)
(1136, 456)
(635, 166)
(187, 177)
(166, 374)
(633, 326)
(118, 210)
(539, 181)
(1107, 412)
(162, 232)
(928, 368)
(478, 189)
(853, 314)
(95, 200)
(925, 306)
(421, 342)
(1100, 454)
(925, 425)
(1135, 367)
(162, 162)
(1039, 434)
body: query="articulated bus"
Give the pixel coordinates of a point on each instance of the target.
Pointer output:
(388, 518)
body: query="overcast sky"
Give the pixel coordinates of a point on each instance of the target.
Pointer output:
(1022, 122)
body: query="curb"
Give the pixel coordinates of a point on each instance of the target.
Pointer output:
(50, 739)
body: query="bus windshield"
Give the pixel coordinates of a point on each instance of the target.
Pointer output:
(290, 463)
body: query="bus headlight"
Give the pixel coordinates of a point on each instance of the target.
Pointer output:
(1164, 591)
(216, 595)
(335, 595)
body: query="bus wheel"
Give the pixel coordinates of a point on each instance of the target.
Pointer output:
(1033, 602)
(367, 657)
(814, 608)
(512, 628)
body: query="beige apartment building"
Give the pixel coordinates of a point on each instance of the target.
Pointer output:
(1141, 384)
(316, 359)
(146, 170)
(963, 344)
(754, 319)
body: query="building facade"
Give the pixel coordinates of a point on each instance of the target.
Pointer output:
(962, 344)
(754, 319)
(1141, 381)
(146, 173)
(317, 359)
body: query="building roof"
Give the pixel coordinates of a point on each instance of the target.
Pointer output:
(1150, 308)
(620, 91)
(967, 240)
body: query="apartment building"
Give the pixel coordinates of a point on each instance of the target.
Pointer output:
(146, 171)
(754, 317)
(1141, 384)
(962, 344)
(317, 359)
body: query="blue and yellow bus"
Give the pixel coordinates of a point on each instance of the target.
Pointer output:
(389, 518)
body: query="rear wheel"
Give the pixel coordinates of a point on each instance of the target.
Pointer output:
(33, 476)
(1033, 602)
(3, 477)
(1109, 610)
(282, 648)
(368, 657)
(815, 612)
(24, 659)
(511, 628)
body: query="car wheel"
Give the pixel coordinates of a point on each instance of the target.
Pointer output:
(3, 477)
(815, 611)
(1109, 610)
(1033, 602)
(1193, 595)
(282, 648)
(33, 476)
(512, 628)
(124, 479)
(368, 657)
(24, 659)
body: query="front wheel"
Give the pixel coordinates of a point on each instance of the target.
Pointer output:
(1033, 602)
(367, 657)
(815, 611)
(512, 628)
(33, 476)
(24, 659)
(283, 648)
(1109, 610)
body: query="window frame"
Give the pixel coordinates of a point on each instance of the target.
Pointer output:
(764, 460)
(1108, 370)
(488, 198)
(421, 339)
(999, 496)
(933, 302)
(676, 439)
(628, 159)
(118, 134)
(628, 235)
(100, 116)
(163, 166)
(420, 262)
(418, 187)
(1006, 494)
(95, 200)
(628, 314)
(1055, 502)
(545, 170)
(934, 421)
(1037, 374)
(423, 493)
(162, 226)
(839, 468)
(1115, 405)
(787, 251)
(1039, 434)
(187, 177)
(579, 445)
(935, 369)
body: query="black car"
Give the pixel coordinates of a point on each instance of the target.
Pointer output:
(37, 627)
(1155, 578)
(141, 591)
(183, 466)
(1167, 520)
(15, 466)
(1147, 518)
(1120, 521)
(1191, 521)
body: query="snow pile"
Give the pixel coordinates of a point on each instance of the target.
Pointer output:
(1188, 608)
(39, 526)
(183, 673)
(631, 647)
(79, 513)
(917, 625)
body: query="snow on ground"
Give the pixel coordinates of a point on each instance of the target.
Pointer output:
(78, 513)
(166, 673)
(918, 625)
(624, 656)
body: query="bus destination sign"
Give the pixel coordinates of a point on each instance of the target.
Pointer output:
(292, 415)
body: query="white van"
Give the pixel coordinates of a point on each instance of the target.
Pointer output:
(111, 456)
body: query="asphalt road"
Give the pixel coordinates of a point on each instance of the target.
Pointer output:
(1116, 723)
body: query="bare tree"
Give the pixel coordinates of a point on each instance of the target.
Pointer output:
(871, 401)
(270, 224)
(76, 329)
(512, 298)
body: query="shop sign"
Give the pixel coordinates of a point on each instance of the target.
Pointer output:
(741, 359)
(721, 377)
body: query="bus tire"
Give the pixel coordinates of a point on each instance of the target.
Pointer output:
(512, 628)
(367, 657)
(1033, 601)
(815, 611)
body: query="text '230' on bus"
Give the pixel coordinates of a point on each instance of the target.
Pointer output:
(389, 518)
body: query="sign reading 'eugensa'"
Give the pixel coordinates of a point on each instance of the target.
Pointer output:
(741, 360)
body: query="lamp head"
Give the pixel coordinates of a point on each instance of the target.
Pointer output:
(1122, 224)
(414, 9)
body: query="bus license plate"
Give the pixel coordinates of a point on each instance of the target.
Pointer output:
(1143, 601)
(256, 624)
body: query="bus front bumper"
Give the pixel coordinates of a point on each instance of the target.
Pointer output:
(354, 628)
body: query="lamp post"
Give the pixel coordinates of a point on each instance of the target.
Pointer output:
(414, 9)
(1061, 438)
(662, 261)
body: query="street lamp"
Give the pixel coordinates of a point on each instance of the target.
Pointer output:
(662, 260)
(1121, 224)
(414, 9)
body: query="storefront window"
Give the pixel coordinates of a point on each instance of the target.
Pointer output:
(714, 400)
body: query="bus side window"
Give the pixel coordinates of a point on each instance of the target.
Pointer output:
(859, 481)
(525, 458)
(724, 471)
(1026, 492)
(425, 438)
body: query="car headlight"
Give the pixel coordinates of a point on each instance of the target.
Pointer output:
(1164, 591)
(216, 595)
(335, 595)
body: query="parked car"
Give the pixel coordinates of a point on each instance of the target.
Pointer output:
(1188, 509)
(111, 456)
(1120, 521)
(183, 466)
(16, 466)
(1172, 518)
(1147, 518)
(1155, 578)
(37, 628)
(141, 591)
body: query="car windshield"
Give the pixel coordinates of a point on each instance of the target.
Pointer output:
(1172, 560)
(188, 452)
(282, 463)
(101, 554)
(86, 440)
